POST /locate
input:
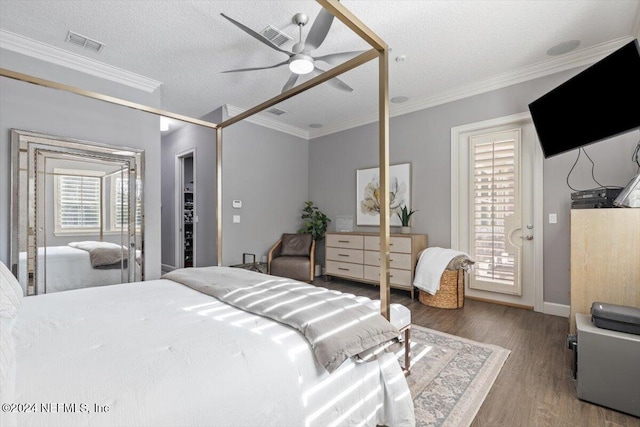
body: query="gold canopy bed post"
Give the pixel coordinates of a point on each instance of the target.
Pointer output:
(357, 26)
(380, 50)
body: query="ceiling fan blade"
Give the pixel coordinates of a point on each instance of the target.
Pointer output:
(254, 34)
(339, 58)
(334, 82)
(293, 78)
(255, 68)
(318, 31)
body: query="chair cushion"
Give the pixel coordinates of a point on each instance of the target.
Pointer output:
(296, 245)
(293, 267)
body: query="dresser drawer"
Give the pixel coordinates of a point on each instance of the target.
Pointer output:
(345, 241)
(345, 255)
(396, 244)
(397, 260)
(396, 277)
(336, 268)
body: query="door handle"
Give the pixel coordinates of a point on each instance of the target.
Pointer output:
(510, 235)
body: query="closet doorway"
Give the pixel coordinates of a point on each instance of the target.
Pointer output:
(186, 209)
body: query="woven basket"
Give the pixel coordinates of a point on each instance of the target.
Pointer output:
(450, 294)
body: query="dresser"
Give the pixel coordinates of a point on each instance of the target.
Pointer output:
(356, 256)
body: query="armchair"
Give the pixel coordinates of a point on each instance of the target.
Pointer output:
(293, 256)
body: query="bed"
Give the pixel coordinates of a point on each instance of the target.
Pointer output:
(161, 353)
(70, 268)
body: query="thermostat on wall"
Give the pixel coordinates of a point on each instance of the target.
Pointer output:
(237, 204)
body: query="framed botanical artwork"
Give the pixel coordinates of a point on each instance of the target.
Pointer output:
(368, 190)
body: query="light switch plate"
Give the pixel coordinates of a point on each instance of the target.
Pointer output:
(236, 219)
(553, 218)
(237, 204)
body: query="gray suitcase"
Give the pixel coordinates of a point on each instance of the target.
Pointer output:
(616, 317)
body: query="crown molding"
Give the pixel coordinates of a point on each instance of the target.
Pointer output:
(570, 61)
(270, 123)
(635, 31)
(35, 49)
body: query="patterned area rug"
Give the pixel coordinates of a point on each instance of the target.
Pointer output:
(450, 376)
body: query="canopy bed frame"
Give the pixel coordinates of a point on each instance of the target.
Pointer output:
(379, 50)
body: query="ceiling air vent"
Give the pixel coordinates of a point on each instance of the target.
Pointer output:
(275, 36)
(275, 110)
(86, 42)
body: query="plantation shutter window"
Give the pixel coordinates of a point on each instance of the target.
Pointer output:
(78, 203)
(495, 211)
(120, 207)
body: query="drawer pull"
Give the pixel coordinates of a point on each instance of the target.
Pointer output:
(343, 269)
(343, 241)
(391, 275)
(345, 255)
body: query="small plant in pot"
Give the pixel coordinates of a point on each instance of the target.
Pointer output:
(315, 223)
(405, 218)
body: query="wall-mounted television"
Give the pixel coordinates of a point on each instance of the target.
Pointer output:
(600, 102)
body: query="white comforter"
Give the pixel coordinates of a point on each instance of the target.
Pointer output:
(160, 354)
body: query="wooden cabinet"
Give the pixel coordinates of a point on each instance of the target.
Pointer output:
(356, 256)
(605, 259)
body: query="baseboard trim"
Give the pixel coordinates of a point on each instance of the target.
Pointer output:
(492, 301)
(166, 268)
(554, 309)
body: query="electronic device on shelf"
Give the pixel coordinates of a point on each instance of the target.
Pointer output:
(594, 198)
(598, 103)
(596, 193)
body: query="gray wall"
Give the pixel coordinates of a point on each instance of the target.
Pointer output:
(268, 171)
(28, 107)
(423, 138)
(264, 168)
(203, 140)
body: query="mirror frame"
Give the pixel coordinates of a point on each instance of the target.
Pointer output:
(26, 146)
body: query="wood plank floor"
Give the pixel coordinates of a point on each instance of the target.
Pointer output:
(535, 387)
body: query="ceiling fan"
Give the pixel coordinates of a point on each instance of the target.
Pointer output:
(300, 59)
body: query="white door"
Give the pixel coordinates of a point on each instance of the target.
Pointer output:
(497, 208)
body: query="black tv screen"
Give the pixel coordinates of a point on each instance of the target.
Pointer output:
(598, 103)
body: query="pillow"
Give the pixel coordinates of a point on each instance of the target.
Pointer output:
(296, 245)
(10, 293)
(7, 349)
(7, 370)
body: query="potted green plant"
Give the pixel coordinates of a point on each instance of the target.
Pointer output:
(315, 223)
(405, 217)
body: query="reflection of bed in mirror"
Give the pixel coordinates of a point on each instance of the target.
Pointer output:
(70, 268)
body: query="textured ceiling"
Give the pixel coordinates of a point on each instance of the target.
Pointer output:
(448, 45)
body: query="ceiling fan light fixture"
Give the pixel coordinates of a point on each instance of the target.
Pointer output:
(301, 64)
